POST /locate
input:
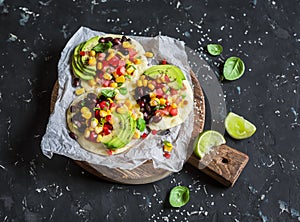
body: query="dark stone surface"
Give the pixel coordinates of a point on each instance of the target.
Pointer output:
(265, 34)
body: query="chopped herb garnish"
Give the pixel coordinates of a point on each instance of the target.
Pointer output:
(141, 124)
(102, 46)
(108, 93)
(123, 90)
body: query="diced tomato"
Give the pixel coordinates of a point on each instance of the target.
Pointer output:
(97, 114)
(159, 93)
(167, 155)
(114, 61)
(82, 53)
(164, 62)
(122, 62)
(106, 129)
(106, 83)
(158, 85)
(132, 52)
(121, 70)
(112, 105)
(173, 111)
(144, 135)
(108, 118)
(104, 64)
(167, 79)
(154, 132)
(93, 136)
(109, 152)
(104, 105)
(162, 112)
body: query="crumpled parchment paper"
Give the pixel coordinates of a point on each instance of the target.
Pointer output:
(57, 140)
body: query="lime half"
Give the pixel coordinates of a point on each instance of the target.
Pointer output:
(206, 141)
(238, 127)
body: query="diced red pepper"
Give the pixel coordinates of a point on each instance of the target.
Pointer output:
(106, 129)
(97, 114)
(167, 155)
(82, 53)
(121, 70)
(164, 62)
(109, 152)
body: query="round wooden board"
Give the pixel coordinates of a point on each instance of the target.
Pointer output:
(145, 173)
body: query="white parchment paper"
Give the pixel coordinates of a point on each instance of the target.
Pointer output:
(57, 140)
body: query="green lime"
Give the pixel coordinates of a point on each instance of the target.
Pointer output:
(179, 196)
(206, 141)
(238, 127)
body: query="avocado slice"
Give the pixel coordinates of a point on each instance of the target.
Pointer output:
(173, 72)
(80, 65)
(123, 132)
(88, 46)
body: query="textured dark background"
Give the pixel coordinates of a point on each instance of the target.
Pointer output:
(265, 34)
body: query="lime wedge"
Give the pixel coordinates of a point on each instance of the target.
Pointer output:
(206, 141)
(238, 127)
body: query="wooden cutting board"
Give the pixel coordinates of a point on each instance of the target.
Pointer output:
(224, 164)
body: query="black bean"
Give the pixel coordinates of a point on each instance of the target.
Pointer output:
(73, 135)
(76, 82)
(148, 108)
(123, 39)
(156, 118)
(102, 40)
(108, 39)
(73, 108)
(116, 41)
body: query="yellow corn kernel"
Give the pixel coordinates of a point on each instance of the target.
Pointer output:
(94, 123)
(168, 148)
(107, 76)
(109, 57)
(173, 105)
(128, 104)
(87, 133)
(120, 79)
(165, 89)
(130, 69)
(148, 54)
(99, 138)
(142, 77)
(113, 85)
(79, 91)
(121, 110)
(110, 50)
(162, 79)
(134, 116)
(92, 53)
(98, 129)
(137, 61)
(154, 102)
(139, 83)
(158, 80)
(126, 45)
(151, 86)
(103, 113)
(87, 115)
(92, 82)
(84, 110)
(136, 134)
(99, 65)
(162, 101)
(108, 112)
(152, 95)
(145, 82)
(92, 61)
(115, 75)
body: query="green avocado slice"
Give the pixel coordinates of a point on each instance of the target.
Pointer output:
(82, 65)
(173, 72)
(88, 46)
(123, 132)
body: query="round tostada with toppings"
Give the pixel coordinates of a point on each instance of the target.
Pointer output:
(108, 61)
(103, 121)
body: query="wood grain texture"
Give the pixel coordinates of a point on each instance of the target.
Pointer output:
(145, 173)
(224, 164)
